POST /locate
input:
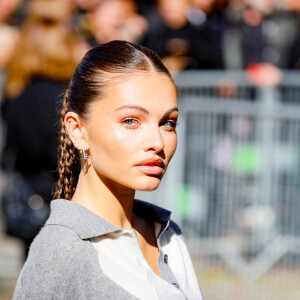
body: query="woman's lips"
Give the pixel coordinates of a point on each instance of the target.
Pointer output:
(151, 169)
(151, 166)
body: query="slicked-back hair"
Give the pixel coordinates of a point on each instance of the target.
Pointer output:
(101, 67)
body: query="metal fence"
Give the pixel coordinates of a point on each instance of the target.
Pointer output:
(234, 184)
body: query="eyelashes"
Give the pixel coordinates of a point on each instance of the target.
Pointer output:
(132, 123)
(170, 124)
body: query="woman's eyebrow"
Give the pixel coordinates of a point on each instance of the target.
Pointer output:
(137, 107)
(167, 113)
(145, 111)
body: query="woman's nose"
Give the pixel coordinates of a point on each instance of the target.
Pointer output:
(154, 140)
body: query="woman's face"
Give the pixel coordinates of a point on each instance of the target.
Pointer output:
(131, 132)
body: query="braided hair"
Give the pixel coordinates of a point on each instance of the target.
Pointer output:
(101, 67)
(68, 175)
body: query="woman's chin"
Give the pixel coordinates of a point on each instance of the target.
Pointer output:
(149, 185)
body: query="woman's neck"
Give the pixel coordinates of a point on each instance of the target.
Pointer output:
(110, 201)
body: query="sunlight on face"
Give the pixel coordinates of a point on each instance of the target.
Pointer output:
(132, 131)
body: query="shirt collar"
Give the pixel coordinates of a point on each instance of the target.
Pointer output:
(88, 225)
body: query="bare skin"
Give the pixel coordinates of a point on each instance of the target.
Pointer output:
(134, 123)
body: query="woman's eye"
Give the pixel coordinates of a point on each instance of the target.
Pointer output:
(131, 123)
(170, 124)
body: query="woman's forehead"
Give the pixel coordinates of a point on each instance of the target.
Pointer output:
(143, 89)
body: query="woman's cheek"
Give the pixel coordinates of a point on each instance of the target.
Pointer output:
(120, 134)
(126, 137)
(170, 143)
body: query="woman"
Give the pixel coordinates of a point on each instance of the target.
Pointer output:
(119, 124)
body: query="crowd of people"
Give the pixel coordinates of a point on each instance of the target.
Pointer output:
(42, 41)
(187, 34)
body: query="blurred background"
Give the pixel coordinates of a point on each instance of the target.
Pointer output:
(234, 182)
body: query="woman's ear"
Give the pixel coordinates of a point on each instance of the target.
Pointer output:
(76, 131)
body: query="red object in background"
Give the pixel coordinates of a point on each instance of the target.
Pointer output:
(264, 74)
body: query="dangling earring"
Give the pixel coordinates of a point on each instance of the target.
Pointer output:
(84, 155)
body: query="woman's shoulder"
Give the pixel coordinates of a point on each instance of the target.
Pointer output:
(56, 248)
(56, 255)
(55, 240)
(62, 265)
(62, 262)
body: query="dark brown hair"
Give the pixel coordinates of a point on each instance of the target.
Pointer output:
(101, 67)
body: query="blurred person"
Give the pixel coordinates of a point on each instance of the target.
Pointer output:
(254, 17)
(44, 60)
(9, 32)
(118, 135)
(258, 35)
(202, 10)
(182, 44)
(116, 20)
(212, 12)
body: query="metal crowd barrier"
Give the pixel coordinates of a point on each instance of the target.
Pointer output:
(234, 182)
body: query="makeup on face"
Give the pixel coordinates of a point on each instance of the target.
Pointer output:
(152, 166)
(132, 131)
